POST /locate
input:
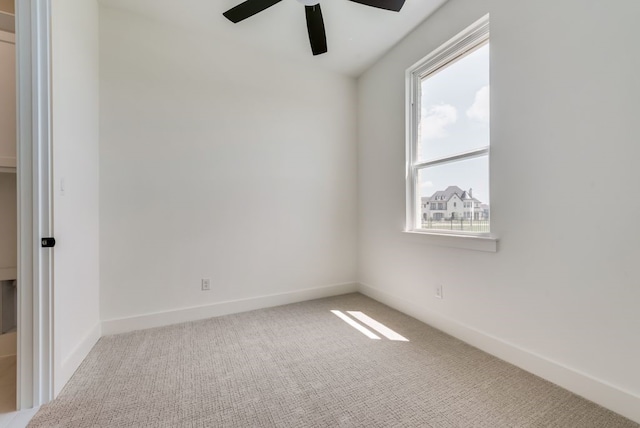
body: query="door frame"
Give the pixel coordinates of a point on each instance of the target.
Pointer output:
(35, 264)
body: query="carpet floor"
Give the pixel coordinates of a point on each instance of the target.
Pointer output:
(300, 365)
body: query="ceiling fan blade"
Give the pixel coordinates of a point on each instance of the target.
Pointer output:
(248, 9)
(394, 5)
(315, 26)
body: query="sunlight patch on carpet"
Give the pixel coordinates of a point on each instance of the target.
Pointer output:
(377, 326)
(355, 325)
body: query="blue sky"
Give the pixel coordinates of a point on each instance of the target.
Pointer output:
(455, 119)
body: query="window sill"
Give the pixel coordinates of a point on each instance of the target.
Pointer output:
(466, 242)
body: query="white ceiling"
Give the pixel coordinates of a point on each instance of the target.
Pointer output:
(357, 35)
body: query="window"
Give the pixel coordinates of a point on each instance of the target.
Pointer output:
(448, 135)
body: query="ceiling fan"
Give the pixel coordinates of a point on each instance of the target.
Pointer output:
(315, 23)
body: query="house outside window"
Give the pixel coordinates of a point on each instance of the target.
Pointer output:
(448, 137)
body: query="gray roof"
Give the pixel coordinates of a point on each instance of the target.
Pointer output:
(445, 195)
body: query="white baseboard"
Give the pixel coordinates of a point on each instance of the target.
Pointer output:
(71, 363)
(159, 319)
(601, 392)
(8, 344)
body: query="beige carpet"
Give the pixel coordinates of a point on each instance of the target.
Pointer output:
(301, 366)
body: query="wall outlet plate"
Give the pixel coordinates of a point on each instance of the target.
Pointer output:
(439, 293)
(206, 284)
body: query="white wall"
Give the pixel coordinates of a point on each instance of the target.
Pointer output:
(560, 297)
(75, 159)
(218, 162)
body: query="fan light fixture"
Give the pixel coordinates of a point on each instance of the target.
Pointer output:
(315, 23)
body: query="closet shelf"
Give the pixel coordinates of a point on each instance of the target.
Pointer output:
(7, 274)
(7, 22)
(7, 164)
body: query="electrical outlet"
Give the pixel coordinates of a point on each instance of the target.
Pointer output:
(206, 284)
(439, 293)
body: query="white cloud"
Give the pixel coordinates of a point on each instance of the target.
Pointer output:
(436, 119)
(426, 184)
(480, 109)
(426, 188)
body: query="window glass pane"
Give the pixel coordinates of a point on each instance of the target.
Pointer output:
(455, 196)
(454, 112)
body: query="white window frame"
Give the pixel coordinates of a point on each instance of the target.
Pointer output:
(470, 39)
